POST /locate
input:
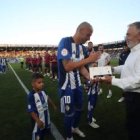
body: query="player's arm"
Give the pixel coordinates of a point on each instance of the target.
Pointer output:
(38, 121)
(31, 111)
(52, 103)
(84, 72)
(69, 65)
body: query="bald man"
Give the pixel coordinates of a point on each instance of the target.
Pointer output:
(71, 63)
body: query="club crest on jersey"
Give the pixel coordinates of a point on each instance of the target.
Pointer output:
(67, 108)
(64, 52)
(29, 106)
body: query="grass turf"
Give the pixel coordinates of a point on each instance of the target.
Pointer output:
(15, 122)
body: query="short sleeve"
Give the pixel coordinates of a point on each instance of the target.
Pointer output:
(30, 103)
(64, 49)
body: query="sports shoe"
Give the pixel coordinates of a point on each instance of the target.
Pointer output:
(93, 119)
(121, 99)
(94, 125)
(78, 132)
(100, 91)
(109, 94)
(70, 138)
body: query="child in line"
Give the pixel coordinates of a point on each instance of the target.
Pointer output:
(38, 108)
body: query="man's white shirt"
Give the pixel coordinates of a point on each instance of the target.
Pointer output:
(130, 72)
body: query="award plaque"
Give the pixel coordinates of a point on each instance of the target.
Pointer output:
(100, 71)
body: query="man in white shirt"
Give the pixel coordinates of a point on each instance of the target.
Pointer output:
(104, 61)
(130, 81)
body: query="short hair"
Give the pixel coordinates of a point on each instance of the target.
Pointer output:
(136, 24)
(100, 45)
(36, 76)
(90, 42)
(84, 25)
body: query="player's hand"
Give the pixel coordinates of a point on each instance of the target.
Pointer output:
(94, 80)
(40, 124)
(94, 57)
(106, 79)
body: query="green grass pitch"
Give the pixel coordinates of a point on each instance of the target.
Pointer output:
(15, 122)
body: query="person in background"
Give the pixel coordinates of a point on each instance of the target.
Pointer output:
(21, 59)
(92, 100)
(47, 63)
(104, 61)
(34, 63)
(27, 62)
(0, 65)
(3, 64)
(30, 63)
(39, 63)
(53, 63)
(90, 48)
(89, 51)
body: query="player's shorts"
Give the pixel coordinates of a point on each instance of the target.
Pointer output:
(71, 100)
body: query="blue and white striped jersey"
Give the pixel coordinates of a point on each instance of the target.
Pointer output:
(38, 103)
(68, 50)
(3, 61)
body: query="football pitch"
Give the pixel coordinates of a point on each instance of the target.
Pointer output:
(15, 121)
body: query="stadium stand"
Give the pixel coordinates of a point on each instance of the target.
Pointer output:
(11, 50)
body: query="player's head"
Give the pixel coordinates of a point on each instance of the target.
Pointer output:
(133, 34)
(90, 46)
(84, 32)
(100, 48)
(37, 81)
